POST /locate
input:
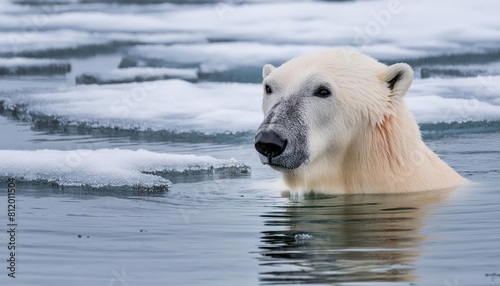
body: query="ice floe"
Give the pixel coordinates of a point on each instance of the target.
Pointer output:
(29, 66)
(222, 56)
(137, 74)
(54, 43)
(380, 28)
(229, 42)
(212, 108)
(243, 61)
(471, 70)
(105, 168)
(160, 105)
(174, 105)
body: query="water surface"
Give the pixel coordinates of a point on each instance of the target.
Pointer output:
(243, 230)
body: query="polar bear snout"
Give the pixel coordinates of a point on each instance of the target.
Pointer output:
(281, 138)
(269, 144)
(281, 148)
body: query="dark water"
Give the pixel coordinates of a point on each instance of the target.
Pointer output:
(244, 232)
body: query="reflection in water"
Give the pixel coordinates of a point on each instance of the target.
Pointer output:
(362, 238)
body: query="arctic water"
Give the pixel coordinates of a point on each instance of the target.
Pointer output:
(128, 127)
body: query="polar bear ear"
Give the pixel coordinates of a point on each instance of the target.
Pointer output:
(398, 78)
(267, 69)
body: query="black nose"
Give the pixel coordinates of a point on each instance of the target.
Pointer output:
(269, 143)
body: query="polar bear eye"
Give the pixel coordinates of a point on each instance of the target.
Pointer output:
(268, 89)
(322, 92)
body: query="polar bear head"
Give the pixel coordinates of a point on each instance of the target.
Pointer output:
(336, 121)
(315, 105)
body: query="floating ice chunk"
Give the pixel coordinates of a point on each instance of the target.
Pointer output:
(137, 74)
(45, 2)
(159, 38)
(428, 72)
(140, 169)
(473, 70)
(29, 66)
(173, 105)
(222, 56)
(243, 61)
(480, 89)
(64, 42)
(219, 108)
(472, 25)
(238, 61)
(220, 62)
(449, 100)
(53, 43)
(449, 110)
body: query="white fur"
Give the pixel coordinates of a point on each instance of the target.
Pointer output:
(362, 139)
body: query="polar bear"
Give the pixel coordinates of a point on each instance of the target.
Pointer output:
(335, 122)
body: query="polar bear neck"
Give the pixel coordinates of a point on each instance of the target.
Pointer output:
(389, 157)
